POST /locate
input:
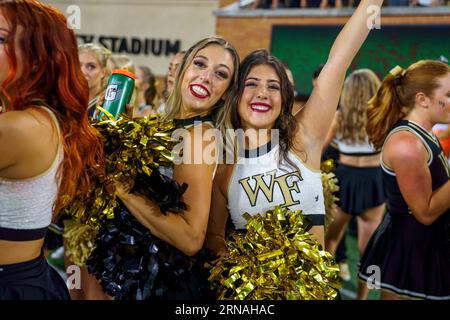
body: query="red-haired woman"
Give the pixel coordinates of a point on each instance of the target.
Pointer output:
(409, 254)
(46, 142)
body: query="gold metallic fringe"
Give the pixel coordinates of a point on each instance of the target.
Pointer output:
(275, 259)
(131, 147)
(330, 186)
(81, 237)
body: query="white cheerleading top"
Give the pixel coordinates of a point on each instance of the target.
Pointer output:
(356, 149)
(26, 205)
(258, 184)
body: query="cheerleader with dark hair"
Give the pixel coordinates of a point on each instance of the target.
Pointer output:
(409, 254)
(286, 172)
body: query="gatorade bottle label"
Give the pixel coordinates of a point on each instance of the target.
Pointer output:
(111, 92)
(118, 92)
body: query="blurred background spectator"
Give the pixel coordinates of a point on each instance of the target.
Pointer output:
(277, 4)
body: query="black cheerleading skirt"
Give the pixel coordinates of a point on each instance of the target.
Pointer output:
(31, 280)
(183, 278)
(53, 238)
(132, 264)
(412, 258)
(359, 188)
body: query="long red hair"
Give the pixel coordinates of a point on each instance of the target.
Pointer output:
(49, 71)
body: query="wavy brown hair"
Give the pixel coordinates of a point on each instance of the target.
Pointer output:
(50, 74)
(397, 95)
(285, 123)
(359, 87)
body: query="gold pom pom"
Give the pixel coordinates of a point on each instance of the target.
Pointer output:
(79, 241)
(131, 147)
(330, 186)
(275, 259)
(327, 166)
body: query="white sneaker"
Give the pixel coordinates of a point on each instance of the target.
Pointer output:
(344, 271)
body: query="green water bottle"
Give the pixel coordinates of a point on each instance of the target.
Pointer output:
(118, 92)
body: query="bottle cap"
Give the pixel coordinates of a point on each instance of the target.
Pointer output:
(125, 72)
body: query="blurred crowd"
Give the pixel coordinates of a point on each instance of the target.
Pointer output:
(274, 4)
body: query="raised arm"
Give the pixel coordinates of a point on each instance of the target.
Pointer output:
(407, 156)
(185, 231)
(319, 111)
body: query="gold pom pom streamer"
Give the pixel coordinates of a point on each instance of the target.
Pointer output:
(330, 186)
(131, 147)
(80, 236)
(276, 259)
(327, 166)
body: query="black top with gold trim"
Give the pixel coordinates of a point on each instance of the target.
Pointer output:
(405, 256)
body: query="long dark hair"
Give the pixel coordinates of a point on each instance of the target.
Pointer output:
(285, 123)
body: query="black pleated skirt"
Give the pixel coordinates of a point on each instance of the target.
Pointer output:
(32, 280)
(409, 258)
(359, 188)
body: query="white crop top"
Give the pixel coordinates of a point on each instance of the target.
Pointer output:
(26, 205)
(258, 184)
(357, 149)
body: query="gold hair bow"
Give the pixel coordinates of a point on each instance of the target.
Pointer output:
(397, 71)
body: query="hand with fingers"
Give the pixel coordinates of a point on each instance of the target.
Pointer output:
(122, 188)
(101, 100)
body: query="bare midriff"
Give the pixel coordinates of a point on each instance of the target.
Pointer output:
(360, 161)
